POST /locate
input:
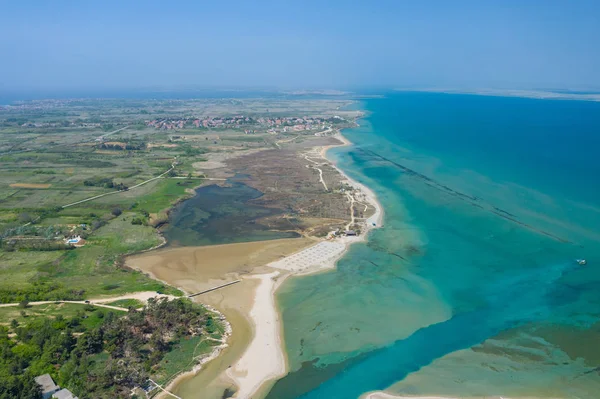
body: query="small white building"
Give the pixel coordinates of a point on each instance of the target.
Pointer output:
(47, 384)
(64, 394)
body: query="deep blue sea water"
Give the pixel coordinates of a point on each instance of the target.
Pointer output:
(471, 288)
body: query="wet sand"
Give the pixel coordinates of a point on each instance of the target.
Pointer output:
(255, 355)
(193, 269)
(210, 382)
(263, 360)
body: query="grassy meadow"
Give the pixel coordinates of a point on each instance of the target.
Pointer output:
(54, 153)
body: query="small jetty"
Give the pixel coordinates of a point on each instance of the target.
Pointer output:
(214, 288)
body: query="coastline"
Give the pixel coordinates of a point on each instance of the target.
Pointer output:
(264, 360)
(377, 217)
(182, 375)
(257, 365)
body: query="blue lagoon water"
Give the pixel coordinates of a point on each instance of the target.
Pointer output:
(471, 288)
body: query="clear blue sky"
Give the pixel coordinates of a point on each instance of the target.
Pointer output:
(317, 44)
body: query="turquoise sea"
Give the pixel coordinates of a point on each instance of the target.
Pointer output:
(471, 288)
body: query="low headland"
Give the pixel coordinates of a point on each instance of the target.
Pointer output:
(264, 359)
(255, 357)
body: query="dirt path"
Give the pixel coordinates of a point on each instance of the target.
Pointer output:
(285, 141)
(164, 390)
(317, 168)
(101, 302)
(6, 305)
(321, 178)
(113, 132)
(352, 220)
(120, 191)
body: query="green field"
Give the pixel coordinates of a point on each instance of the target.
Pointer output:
(91, 268)
(91, 316)
(127, 303)
(54, 153)
(102, 175)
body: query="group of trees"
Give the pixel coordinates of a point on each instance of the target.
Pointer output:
(105, 182)
(40, 291)
(130, 146)
(105, 361)
(25, 234)
(33, 244)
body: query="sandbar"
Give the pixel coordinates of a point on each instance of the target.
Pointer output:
(263, 360)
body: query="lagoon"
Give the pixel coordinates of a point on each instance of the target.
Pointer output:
(221, 215)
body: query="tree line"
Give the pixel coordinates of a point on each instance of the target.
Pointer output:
(105, 361)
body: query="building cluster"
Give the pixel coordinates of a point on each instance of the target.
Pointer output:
(240, 121)
(61, 124)
(51, 390)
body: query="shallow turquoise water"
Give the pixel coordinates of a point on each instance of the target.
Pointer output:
(471, 287)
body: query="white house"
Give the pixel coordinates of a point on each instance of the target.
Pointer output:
(47, 384)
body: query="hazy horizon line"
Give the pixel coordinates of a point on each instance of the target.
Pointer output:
(124, 92)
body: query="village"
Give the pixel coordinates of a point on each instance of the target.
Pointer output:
(280, 124)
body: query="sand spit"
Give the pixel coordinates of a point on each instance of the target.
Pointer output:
(262, 267)
(194, 269)
(264, 359)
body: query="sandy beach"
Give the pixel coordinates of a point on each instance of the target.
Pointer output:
(264, 359)
(248, 364)
(375, 220)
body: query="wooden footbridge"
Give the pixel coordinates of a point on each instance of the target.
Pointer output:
(214, 288)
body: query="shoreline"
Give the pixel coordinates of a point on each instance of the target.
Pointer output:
(377, 217)
(263, 359)
(183, 375)
(257, 366)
